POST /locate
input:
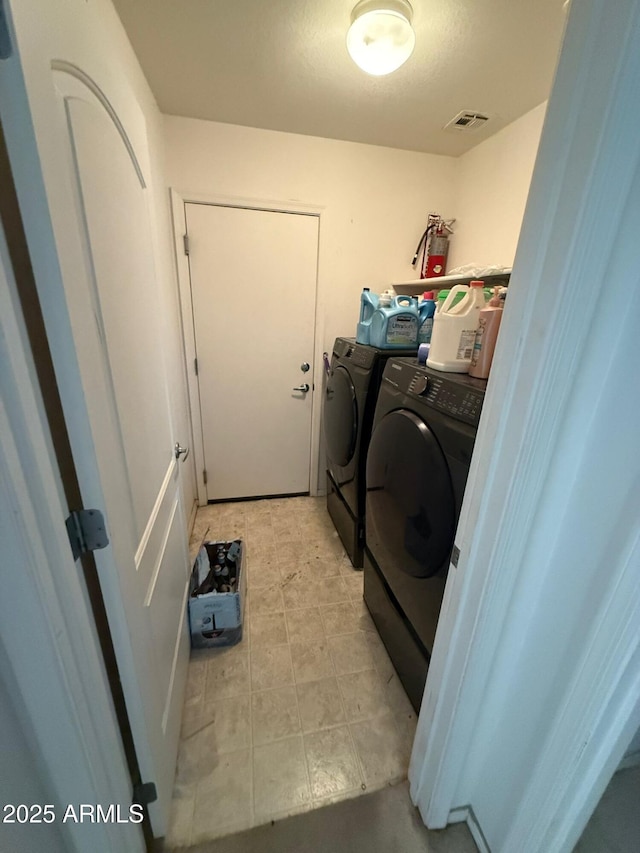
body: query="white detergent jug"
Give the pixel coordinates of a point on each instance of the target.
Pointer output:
(454, 329)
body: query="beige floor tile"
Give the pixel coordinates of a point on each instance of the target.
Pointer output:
(383, 662)
(224, 726)
(271, 667)
(311, 661)
(321, 802)
(320, 704)
(302, 587)
(355, 585)
(265, 599)
(383, 745)
(196, 680)
(188, 764)
(227, 674)
(351, 653)
(330, 590)
(289, 553)
(285, 530)
(365, 622)
(332, 763)
(255, 541)
(262, 573)
(181, 820)
(260, 527)
(223, 797)
(298, 592)
(274, 715)
(316, 526)
(304, 625)
(339, 619)
(280, 780)
(268, 629)
(191, 718)
(315, 567)
(365, 695)
(273, 817)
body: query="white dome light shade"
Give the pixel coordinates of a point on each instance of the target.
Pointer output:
(380, 38)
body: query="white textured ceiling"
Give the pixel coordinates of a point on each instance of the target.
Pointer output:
(283, 65)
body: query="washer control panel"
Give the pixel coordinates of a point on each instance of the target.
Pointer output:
(449, 396)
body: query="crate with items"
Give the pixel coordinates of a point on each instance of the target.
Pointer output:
(217, 592)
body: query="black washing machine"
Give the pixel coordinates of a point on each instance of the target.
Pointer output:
(349, 404)
(417, 466)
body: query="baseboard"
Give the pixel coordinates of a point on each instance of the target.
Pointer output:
(465, 814)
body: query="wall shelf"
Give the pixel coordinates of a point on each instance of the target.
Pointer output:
(416, 286)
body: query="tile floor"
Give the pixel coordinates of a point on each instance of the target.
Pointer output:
(307, 709)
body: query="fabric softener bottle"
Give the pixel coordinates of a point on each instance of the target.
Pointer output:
(368, 304)
(394, 324)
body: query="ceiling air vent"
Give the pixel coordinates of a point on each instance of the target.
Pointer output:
(467, 120)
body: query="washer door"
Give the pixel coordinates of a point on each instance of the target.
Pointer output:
(410, 505)
(340, 417)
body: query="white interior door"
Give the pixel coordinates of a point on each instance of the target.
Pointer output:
(111, 372)
(253, 285)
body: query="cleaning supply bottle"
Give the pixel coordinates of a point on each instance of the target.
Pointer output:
(426, 310)
(394, 324)
(454, 329)
(368, 304)
(486, 337)
(442, 296)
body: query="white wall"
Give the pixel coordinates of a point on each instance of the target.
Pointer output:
(491, 187)
(375, 200)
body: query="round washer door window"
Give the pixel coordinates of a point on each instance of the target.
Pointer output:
(410, 505)
(340, 417)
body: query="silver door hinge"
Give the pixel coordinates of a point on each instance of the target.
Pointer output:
(186, 244)
(195, 365)
(204, 476)
(144, 793)
(87, 531)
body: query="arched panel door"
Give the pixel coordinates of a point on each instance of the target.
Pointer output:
(340, 417)
(410, 503)
(89, 206)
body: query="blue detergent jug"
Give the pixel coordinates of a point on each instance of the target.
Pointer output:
(368, 304)
(394, 324)
(426, 310)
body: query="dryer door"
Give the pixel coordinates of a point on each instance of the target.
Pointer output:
(410, 504)
(340, 417)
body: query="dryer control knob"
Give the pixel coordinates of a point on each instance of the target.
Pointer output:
(420, 385)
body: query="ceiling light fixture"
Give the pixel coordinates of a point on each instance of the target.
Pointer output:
(380, 38)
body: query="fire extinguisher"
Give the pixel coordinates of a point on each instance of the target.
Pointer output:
(434, 244)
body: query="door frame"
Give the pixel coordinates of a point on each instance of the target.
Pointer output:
(179, 198)
(560, 348)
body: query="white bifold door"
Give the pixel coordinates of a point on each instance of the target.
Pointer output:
(253, 288)
(88, 208)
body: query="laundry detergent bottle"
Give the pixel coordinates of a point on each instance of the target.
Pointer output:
(454, 329)
(394, 324)
(486, 337)
(426, 310)
(368, 304)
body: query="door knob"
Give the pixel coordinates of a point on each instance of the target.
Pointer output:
(178, 451)
(305, 367)
(303, 388)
